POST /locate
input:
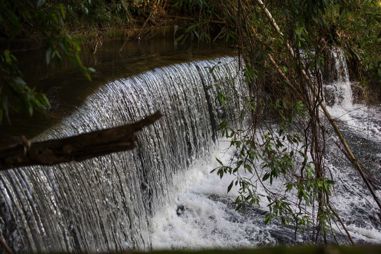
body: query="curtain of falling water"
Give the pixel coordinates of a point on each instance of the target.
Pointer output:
(106, 203)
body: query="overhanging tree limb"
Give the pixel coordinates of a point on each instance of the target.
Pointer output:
(283, 75)
(75, 148)
(348, 151)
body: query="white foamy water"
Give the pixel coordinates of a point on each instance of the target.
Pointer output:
(204, 221)
(200, 212)
(359, 118)
(351, 198)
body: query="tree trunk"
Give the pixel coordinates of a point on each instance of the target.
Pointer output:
(75, 148)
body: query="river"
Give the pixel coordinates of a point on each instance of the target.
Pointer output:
(162, 194)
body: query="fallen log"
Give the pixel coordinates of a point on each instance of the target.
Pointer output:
(75, 148)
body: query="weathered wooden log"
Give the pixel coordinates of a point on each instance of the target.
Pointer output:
(75, 148)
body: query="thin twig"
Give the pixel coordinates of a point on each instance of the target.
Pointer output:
(353, 159)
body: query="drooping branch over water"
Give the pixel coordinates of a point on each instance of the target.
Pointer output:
(75, 148)
(284, 74)
(283, 56)
(347, 149)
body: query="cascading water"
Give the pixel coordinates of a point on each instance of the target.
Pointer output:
(145, 198)
(342, 84)
(361, 125)
(106, 203)
(201, 214)
(362, 119)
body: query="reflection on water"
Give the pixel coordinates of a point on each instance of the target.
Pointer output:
(67, 88)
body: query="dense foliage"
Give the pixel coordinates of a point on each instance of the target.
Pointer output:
(352, 25)
(285, 45)
(52, 25)
(42, 21)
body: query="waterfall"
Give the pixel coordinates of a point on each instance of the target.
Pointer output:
(161, 194)
(106, 203)
(338, 91)
(201, 214)
(360, 118)
(361, 126)
(343, 96)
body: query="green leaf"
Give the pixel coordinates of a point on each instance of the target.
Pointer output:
(19, 81)
(268, 218)
(30, 109)
(289, 186)
(48, 55)
(40, 3)
(45, 100)
(230, 186)
(8, 56)
(219, 161)
(248, 168)
(266, 176)
(5, 106)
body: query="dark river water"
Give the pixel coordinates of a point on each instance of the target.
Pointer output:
(67, 88)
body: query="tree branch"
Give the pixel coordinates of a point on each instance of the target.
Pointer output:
(349, 153)
(75, 148)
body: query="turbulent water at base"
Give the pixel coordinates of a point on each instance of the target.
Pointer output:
(107, 203)
(361, 125)
(201, 214)
(362, 119)
(162, 195)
